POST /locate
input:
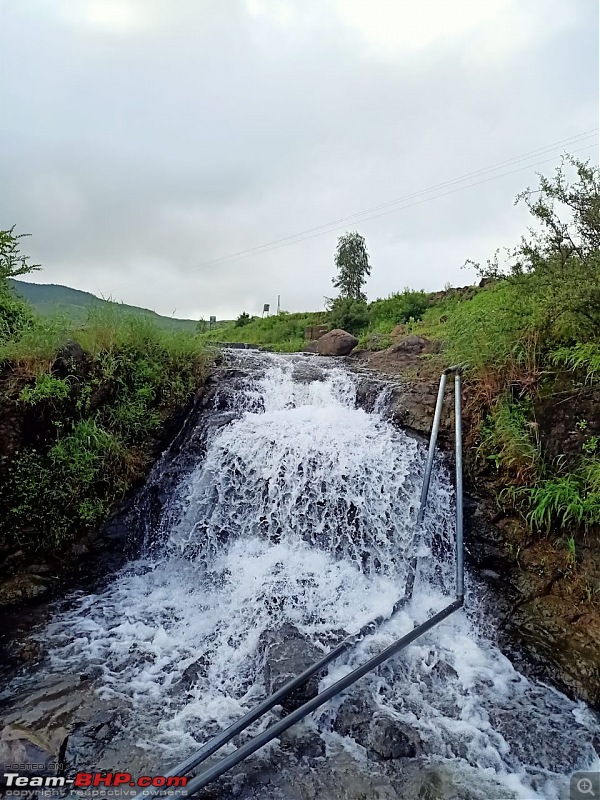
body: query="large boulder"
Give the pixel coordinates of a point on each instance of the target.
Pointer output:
(336, 343)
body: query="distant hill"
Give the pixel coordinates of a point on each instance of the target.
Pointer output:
(51, 298)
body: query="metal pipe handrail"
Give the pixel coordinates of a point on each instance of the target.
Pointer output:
(270, 702)
(274, 699)
(282, 725)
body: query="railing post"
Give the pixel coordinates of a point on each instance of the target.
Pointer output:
(460, 565)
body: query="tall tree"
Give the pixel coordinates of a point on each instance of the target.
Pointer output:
(352, 261)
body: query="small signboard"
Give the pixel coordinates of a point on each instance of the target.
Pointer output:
(266, 308)
(213, 320)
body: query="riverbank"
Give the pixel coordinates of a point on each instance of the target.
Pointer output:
(84, 412)
(548, 598)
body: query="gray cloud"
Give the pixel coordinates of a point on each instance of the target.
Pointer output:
(144, 140)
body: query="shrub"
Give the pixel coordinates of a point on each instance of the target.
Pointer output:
(242, 320)
(398, 308)
(571, 499)
(348, 314)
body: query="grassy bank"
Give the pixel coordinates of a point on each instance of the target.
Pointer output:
(83, 406)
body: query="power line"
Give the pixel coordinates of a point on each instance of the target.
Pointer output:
(393, 206)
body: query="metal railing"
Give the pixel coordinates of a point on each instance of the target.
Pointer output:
(277, 728)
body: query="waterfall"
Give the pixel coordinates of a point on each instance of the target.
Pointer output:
(301, 510)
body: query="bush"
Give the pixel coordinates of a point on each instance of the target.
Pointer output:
(398, 308)
(242, 320)
(97, 427)
(15, 316)
(349, 315)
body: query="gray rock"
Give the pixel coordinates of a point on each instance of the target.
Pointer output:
(336, 343)
(412, 344)
(69, 359)
(375, 730)
(287, 653)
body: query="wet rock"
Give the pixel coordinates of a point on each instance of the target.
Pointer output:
(22, 588)
(191, 675)
(450, 782)
(336, 343)
(25, 747)
(311, 347)
(303, 741)
(32, 651)
(37, 728)
(376, 730)
(413, 407)
(287, 653)
(570, 646)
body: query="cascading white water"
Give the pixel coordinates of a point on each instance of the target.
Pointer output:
(303, 511)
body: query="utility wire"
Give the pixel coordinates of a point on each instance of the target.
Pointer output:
(393, 206)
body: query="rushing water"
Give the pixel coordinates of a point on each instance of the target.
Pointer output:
(301, 508)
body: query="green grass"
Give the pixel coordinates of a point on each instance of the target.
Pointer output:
(583, 356)
(508, 440)
(282, 332)
(564, 501)
(94, 427)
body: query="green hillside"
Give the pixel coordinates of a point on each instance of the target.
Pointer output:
(49, 299)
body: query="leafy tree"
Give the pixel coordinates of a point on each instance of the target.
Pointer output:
(559, 260)
(14, 312)
(12, 261)
(352, 262)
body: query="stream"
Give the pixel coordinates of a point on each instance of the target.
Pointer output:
(288, 508)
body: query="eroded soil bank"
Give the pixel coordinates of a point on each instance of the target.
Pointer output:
(548, 612)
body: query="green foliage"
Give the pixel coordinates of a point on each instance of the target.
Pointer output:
(45, 387)
(581, 356)
(496, 330)
(508, 440)
(15, 315)
(398, 308)
(135, 375)
(573, 498)
(73, 484)
(12, 261)
(282, 332)
(242, 320)
(560, 259)
(352, 262)
(349, 315)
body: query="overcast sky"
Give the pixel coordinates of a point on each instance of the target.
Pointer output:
(143, 141)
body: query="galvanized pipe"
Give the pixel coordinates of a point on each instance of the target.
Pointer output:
(270, 702)
(282, 725)
(432, 443)
(460, 563)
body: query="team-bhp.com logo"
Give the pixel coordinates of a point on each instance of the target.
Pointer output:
(17, 784)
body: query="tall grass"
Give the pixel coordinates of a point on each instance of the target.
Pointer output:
(94, 427)
(509, 440)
